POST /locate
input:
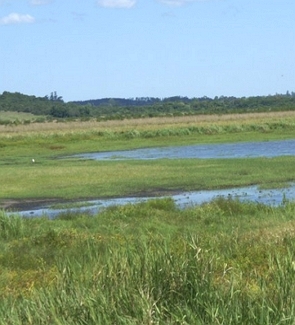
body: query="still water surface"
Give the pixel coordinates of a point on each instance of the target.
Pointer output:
(207, 151)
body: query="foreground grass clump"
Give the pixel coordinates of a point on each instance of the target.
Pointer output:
(224, 262)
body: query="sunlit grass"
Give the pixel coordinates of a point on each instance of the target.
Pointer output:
(151, 123)
(19, 117)
(223, 262)
(94, 179)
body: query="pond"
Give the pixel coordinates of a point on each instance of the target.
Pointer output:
(207, 151)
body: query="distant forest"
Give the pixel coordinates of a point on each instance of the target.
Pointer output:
(53, 106)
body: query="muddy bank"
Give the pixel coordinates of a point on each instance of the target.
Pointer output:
(31, 203)
(23, 204)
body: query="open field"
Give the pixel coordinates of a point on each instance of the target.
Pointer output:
(19, 117)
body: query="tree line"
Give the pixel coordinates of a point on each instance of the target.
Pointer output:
(53, 106)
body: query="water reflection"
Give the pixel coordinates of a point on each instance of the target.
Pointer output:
(208, 151)
(183, 200)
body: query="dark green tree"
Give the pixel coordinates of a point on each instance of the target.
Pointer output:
(59, 111)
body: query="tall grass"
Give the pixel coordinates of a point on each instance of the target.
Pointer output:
(10, 226)
(223, 262)
(142, 131)
(154, 127)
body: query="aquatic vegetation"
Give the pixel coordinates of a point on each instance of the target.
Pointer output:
(70, 205)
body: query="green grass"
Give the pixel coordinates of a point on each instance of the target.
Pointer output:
(10, 117)
(93, 179)
(225, 262)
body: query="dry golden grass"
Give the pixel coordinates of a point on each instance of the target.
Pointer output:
(147, 123)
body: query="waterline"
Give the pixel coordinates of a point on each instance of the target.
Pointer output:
(272, 197)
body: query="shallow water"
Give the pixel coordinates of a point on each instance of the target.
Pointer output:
(272, 197)
(207, 151)
(228, 150)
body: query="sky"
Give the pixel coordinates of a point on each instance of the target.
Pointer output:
(91, 49)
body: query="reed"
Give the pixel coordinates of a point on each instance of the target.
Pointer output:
(150, 123)
(223, 262)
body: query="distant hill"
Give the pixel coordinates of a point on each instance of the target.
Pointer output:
(137, 101)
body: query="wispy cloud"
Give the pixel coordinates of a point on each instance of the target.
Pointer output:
(117, 3)
(39, 2)
(15, 18)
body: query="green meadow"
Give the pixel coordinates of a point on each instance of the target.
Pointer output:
(92, 179)
(223, 262)
(54, 176)
(10, 117)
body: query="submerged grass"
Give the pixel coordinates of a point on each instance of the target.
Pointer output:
(71, 205)
(223, 262)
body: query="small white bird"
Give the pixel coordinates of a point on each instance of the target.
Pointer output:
(33, 160)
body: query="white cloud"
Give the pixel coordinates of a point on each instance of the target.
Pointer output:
(117, 3)
(15, 18)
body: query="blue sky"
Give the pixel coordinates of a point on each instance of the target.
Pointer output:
(88, 49)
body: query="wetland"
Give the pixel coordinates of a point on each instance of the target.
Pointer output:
(160, 259)
(266, 149)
